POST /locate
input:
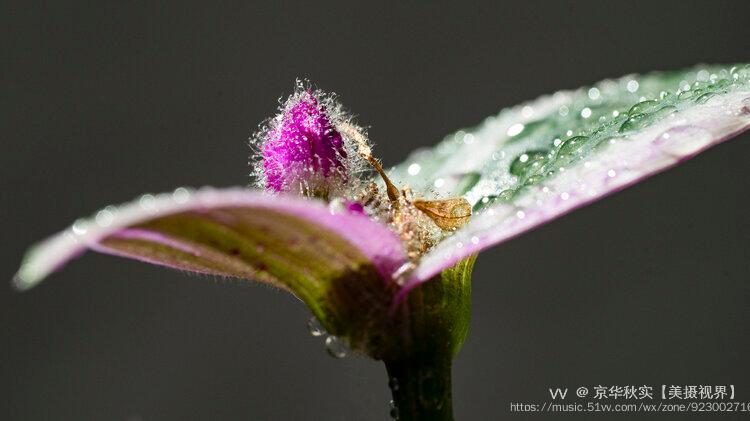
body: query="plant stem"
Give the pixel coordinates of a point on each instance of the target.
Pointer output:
(421, 388)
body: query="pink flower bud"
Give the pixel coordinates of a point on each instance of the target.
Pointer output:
(301, 149)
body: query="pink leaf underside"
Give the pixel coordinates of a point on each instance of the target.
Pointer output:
(622, 163)
(210, 231)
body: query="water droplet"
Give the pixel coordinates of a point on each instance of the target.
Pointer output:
(644, 107)
(573, 145)
(702, 75)
(526, 111)
(181, 195)
(685, 94)
(475, 240)
(632, 85)
(611, 173)
(586, 112)
(520, 214)
(79, 227)
(564, 196)
(147, 202)
(393, 384)
(528, 162)
(335, 347)
(439, 182)
(515, 129)
(563, 110)
(506, 194)
(615, 113)
(634, 122)
(594, 94)
(414, 169)
(468, 139)
(104, 218)
(314, 327)
(639, 121)
(534, 179)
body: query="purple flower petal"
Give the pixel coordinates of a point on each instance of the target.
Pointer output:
(622, 161)
(231, 232)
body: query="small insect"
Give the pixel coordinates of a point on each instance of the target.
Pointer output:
(404, 212)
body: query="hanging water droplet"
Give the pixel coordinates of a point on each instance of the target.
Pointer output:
(393, 384)
(314, 327)
(335, 347)
(394, 410)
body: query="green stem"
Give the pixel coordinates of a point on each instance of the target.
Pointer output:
(421, 388)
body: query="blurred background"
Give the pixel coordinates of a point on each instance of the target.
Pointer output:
(102, 101)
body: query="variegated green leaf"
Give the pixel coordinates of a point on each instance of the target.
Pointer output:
(539, 160)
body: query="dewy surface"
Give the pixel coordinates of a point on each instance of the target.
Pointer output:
(544, 158)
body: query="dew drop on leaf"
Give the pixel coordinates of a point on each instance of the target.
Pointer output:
(527, 161)
(335, 347)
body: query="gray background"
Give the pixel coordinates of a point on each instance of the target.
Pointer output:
(101, 102)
